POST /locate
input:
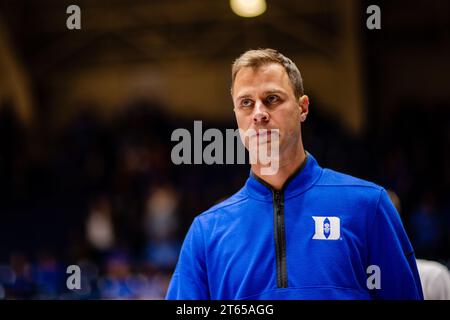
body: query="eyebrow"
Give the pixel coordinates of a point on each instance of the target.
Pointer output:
(243, 96)
(274, 91)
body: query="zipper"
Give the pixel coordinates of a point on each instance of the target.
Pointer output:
(279, 225)
(280, 238)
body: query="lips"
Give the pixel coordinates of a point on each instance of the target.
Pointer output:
(260, 132)
(262, 135)
(263, 132)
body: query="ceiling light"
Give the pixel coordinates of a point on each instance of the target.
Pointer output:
(248, 8)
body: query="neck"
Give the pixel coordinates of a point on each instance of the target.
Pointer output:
(287, 166)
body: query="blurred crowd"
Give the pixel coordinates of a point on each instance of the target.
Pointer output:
(104, 194)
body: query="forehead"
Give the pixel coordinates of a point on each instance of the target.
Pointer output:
(270, 76)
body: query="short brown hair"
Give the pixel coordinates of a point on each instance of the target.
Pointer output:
(261, 57)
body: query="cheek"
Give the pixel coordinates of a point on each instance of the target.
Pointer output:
(290, 121)
(292, 126)
(243, 121)
(239, 121)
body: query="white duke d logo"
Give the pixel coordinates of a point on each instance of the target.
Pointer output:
(327, 228)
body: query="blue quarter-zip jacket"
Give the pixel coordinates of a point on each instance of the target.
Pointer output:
(325, 235)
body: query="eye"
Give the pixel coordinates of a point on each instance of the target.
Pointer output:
(272, 99)
(246, 103)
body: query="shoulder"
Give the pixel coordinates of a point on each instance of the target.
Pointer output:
(225, 205)
(338, 179)
(431, 268)
(349, 188)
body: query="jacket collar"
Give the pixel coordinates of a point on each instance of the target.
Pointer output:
(300, 181)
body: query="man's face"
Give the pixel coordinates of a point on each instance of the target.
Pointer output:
(263, 98)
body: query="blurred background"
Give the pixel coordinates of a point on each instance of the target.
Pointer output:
(86, 118)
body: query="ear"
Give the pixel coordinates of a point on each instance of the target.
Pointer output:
(303, 103)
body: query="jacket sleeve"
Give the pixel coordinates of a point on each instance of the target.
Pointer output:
(190, 281)
(391, 251)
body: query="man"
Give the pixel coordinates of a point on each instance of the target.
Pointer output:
(302, 233)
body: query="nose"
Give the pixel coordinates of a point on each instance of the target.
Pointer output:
(260, 114)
